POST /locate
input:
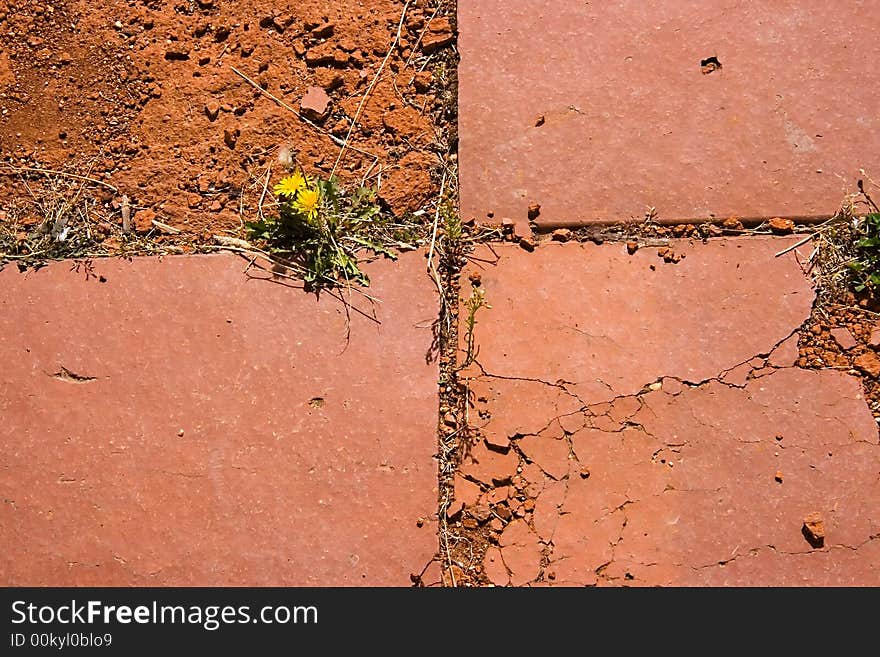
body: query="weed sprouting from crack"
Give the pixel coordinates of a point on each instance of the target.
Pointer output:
(846, 257)
(473, 305)
(319, 227)
(864, 264)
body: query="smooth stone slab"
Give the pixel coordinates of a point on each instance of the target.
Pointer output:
(171, 422)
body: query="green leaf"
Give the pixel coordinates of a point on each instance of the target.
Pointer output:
(376, 248)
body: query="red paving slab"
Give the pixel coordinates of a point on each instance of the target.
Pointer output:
(662, 435)
(600, 111)
(170, 422)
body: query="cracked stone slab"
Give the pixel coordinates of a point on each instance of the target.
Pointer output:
(700, 453)
(172, 422)
(605, 323)
(599, 111)
(520, 554)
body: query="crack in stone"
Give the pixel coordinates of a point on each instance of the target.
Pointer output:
(591, 411)
(647, 388)
(537, 434)
(622, 509)
(755, 550)
(639, 396)
(722, 562)
(577, 412)
(560, 383)
(718, 378)
(766, 355)
(69, 376)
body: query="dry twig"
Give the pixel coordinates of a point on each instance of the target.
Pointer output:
(20, 170)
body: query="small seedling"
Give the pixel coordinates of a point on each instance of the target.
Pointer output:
(451, 222)
(452, 246)
(474, 303)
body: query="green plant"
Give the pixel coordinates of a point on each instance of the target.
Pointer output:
(865, 266)
(450, 244)
(472, 305)
(320, 226)
(451, 222)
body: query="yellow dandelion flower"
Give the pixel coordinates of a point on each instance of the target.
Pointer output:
(290, 185)
(308, 202)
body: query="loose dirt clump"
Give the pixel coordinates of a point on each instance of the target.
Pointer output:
(845, 337)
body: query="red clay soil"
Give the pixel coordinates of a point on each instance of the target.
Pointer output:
(142, 95)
